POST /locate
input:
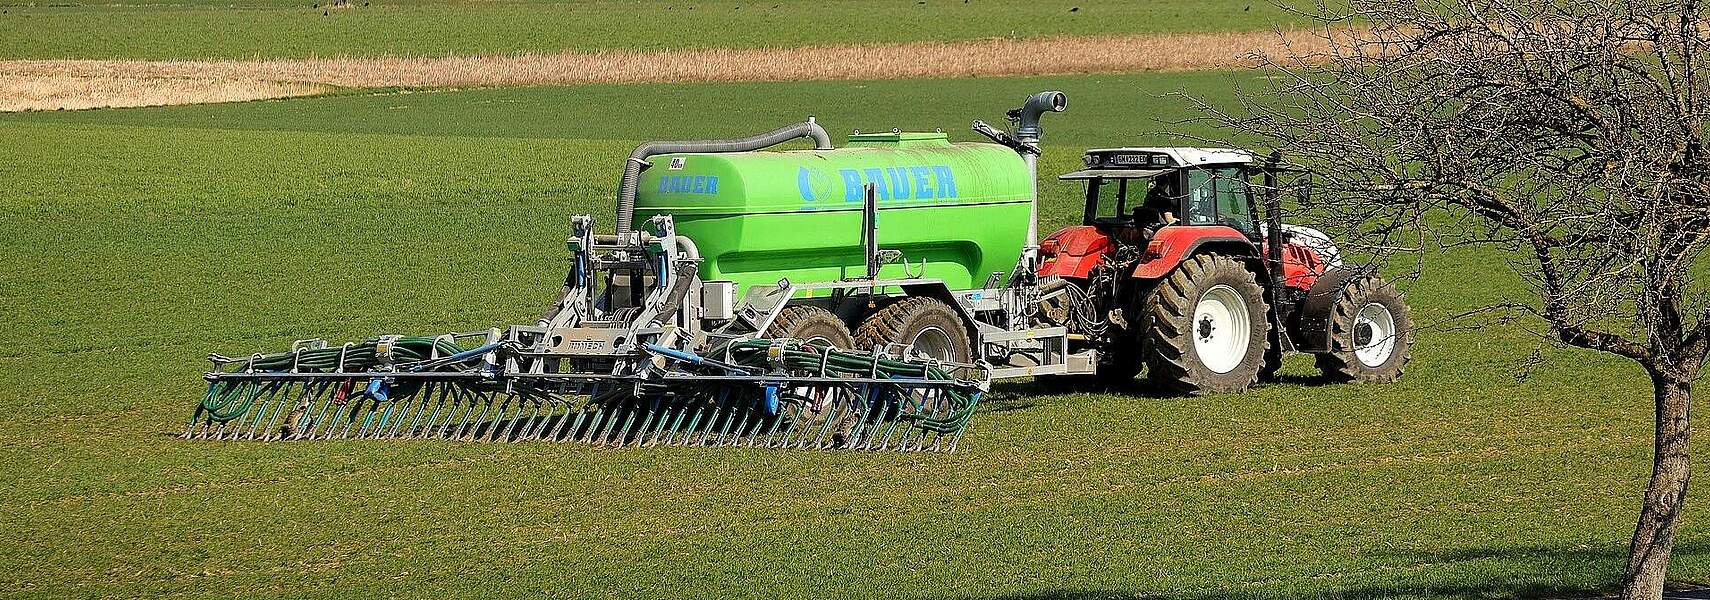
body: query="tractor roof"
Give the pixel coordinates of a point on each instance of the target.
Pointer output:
(1183, 156)
(1142, 162)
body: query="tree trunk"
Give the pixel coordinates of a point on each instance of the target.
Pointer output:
(1653, 539)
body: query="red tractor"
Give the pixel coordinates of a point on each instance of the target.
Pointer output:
(1175, 271)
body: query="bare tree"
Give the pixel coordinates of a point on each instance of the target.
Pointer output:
(1568, 133)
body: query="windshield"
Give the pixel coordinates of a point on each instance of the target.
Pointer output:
(1112, 197)
(1122, 198)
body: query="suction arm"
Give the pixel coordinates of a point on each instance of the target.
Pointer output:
(638, 158)
(1027, 117)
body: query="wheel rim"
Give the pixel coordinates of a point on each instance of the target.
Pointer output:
(934, 342)
(1374, 335)
(1221, 329)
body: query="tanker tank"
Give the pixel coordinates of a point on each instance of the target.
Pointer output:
(760, 216)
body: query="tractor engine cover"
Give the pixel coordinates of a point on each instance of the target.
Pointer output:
(1074, 251)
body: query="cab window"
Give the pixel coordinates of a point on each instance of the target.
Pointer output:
(1110, 197)
(1220, 198)
(1202, 201)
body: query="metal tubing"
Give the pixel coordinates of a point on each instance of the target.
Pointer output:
(627, 184)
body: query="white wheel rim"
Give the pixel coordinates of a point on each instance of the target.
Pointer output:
(933, 342)
(1374, 335)
(1221, 329)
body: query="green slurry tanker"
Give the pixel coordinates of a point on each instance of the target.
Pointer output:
(961, 209)
(861, 297)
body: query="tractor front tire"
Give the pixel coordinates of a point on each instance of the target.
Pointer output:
(1207, 327)
(1371, 334)
(811, 324)
(922, 324)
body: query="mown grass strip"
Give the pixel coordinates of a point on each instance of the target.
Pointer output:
(55, 84)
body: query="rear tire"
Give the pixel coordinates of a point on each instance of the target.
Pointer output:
(811, 324)
(925, 325)
(1371, 334)
(1207, 327)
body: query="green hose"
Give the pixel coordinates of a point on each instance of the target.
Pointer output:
(358, 357)
(797, 357)
(230, 399)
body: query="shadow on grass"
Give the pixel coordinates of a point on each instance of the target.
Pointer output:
(1526, 572)
(1006, 396)
(1303, 380)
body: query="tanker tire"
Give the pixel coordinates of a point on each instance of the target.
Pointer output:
(1357, 316)
(1173, 361)
(816, 325)
(811, 324)
(904, 321)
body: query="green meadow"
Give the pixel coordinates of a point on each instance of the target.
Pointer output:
(136, 241)
(190, 29)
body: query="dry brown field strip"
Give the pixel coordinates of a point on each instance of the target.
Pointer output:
(71, 84)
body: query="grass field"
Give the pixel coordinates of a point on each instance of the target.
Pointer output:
(136, 241)
(150, 29)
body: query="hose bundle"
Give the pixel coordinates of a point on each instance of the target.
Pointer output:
(230, 399)
(956, 403)
(751, 393)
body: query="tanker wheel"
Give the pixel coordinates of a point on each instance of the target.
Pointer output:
(816, 325)
(1207, 327)
(1371, 334)
(923, 325)
(811, 324)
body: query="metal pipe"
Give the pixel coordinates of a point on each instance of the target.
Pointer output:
(638, 159)
(684, 244)
(1029, 132)
(1027, 117)
(688, 248)
(1273, 221)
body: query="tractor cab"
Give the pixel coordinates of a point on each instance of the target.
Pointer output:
(1133, 192)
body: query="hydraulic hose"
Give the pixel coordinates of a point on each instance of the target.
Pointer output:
(229, 399)
(638, 158)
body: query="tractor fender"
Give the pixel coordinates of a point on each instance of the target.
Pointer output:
(1175, 243)
(1312, 321)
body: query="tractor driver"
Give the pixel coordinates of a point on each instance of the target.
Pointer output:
(1159, 208)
